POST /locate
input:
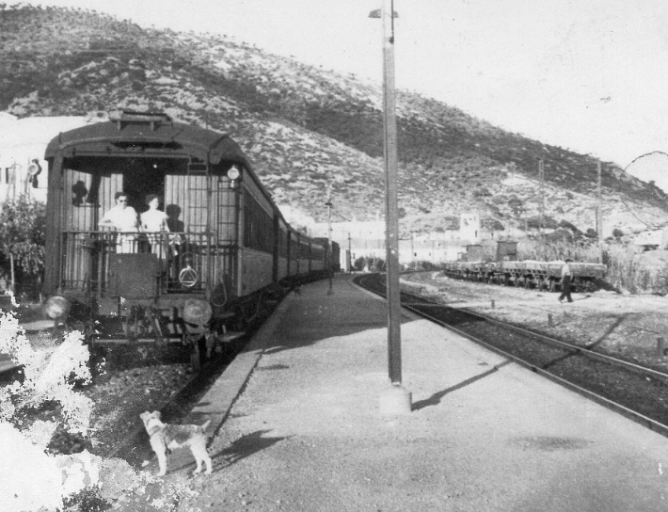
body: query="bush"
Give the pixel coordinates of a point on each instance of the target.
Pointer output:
(562, 235)
(22, 238)
(47, 378)
(627, 270)
(558, 250)
(567, 225)
(369, 264)
(359, 263)
(631, 272)
(546, 222)
(424, 265)
(32, 478)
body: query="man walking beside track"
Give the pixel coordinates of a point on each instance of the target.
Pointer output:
(566, 277)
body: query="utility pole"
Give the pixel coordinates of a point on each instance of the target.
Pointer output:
(599, 213)
(526, 221)
(599, 209)
(329, 238)
(541, 179)
(397, 400)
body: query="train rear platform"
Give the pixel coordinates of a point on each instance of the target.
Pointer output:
(301, 428)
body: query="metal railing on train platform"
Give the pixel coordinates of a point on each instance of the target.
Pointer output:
(187, 262)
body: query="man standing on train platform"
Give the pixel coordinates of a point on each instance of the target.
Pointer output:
(566, 277)
(124, 219)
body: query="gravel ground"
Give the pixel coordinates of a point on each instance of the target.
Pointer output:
(623, 325)
(131, 380)
(122, 395)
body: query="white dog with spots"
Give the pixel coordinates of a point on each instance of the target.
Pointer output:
(169, 437)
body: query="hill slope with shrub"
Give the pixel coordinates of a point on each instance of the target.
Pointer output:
(306, 128)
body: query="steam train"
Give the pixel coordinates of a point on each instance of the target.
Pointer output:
(506, 270)
(225, 253)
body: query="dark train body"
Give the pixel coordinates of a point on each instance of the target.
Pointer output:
(506, 270)
(227, 250)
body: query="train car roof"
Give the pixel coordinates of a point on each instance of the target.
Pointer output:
(146, 134)
(155, 132)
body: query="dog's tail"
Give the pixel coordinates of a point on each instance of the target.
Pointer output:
(204, 426)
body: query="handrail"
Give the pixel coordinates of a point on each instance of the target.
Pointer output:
(86, 258)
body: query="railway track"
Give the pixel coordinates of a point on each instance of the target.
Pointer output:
(636, 391)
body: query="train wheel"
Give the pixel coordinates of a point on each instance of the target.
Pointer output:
(195, 356)
(211, 342)
(89, 332)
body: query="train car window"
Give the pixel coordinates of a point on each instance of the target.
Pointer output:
(258, 226)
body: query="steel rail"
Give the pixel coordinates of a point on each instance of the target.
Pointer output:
(637, 417)
(629, 413)
(584, 350)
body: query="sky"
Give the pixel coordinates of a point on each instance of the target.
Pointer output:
(586, 75)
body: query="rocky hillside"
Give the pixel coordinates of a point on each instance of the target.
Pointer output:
(305, 128)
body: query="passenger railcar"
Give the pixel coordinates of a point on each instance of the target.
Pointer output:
(227, 246)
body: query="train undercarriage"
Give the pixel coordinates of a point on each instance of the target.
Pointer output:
(542, 277)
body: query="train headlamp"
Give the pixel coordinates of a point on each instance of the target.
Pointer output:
(57, 307)
(233, 173)
(197, 312)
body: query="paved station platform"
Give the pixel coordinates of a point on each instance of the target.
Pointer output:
(300, 427)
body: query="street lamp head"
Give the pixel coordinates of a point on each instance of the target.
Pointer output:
(376, 14)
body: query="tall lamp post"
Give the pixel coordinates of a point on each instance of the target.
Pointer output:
(395, 400)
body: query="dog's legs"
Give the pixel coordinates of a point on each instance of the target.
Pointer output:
(201, 456)
(162, 461)
(206, 460)
(199, 465)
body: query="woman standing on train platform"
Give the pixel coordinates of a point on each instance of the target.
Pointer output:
(154, 224)
(124, 219)
(154, 219)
